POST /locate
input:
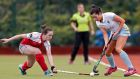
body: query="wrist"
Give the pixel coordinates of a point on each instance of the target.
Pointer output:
(8, 40)
(75, 29)
(53, 69)
(118, 30)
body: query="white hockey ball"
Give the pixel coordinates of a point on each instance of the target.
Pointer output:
(92, 74)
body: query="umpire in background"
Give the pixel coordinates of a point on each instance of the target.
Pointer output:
(82, 25)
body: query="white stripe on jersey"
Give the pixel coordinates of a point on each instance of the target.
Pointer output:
(36, 37)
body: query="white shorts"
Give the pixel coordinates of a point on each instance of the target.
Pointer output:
(123, 32)
(22, 47)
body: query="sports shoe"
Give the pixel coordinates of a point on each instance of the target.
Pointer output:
(110, 70)
(87, 63)
(23, 72)
(71, 62)
(48, 73)
(130, 72)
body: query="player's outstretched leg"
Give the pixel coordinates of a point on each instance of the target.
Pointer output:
(22, 71)
(27, 64)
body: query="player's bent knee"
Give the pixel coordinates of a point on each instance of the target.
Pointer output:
(30, 66)
(118, 50)
(108, 52)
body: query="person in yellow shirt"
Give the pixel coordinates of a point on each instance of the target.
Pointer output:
(81, 23)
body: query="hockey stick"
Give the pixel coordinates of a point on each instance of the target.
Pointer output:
(70, 72)
(77, 73)
(101, 56)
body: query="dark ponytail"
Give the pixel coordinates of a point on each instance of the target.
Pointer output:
(95, 10)
(43, 26)
(45, 29)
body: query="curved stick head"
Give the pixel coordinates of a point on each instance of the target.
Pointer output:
(95, 71)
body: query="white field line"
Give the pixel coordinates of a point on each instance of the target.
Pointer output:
(121, 69)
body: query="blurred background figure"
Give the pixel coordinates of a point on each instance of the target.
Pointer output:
(82, 25)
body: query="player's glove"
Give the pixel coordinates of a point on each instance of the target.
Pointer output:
(53, 69)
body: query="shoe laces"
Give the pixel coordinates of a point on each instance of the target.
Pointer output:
(131, 69)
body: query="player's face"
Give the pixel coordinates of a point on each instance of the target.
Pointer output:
(80, 8)
(96, 17)
(48, 36)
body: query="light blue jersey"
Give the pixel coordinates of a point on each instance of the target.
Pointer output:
(109, 24)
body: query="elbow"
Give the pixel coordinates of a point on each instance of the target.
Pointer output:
(104, 33)
(18, 36)
(123, 21)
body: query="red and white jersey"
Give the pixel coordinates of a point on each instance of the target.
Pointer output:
(35, 39)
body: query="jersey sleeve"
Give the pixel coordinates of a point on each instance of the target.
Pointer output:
(110, 15)
(29, 35)
(73, 18)
(99, 24)
(32, 35)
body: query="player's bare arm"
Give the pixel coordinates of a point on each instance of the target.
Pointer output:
(6, 40)
(121, 21)
(105, 35)
(73, 25)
